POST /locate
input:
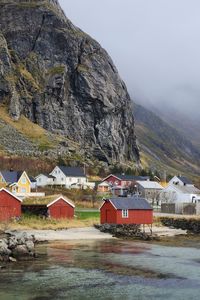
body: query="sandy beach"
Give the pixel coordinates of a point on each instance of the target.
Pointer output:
(86, 233)
(90, 233)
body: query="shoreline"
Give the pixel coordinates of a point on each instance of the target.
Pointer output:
(91, 233)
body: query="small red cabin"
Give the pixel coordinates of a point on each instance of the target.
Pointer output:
(61, 208)
(126, 210)
(10, 205)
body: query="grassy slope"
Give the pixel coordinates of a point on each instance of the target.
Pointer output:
(33, 132)
(163, 147)
(30, 130)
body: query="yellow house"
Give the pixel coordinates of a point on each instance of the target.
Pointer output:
(17, 181)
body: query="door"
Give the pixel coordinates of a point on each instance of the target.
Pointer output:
(59, 212)
(63, 212)
(108, 216)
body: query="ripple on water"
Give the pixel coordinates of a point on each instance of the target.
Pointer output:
(104, 270)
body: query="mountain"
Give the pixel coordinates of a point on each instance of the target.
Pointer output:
(56, 76)
(186, 123)
(162, 146)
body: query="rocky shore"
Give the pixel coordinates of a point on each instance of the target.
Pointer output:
(126, 231)
(14, 246)
(190, 224)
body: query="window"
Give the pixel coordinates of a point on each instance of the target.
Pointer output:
(23, 190)
(125, 213)
(70, 179)
(62, 179)
(23, 180)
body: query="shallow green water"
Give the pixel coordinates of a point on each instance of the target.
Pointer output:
(105, 270)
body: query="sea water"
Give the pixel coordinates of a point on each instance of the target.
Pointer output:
(106, 269)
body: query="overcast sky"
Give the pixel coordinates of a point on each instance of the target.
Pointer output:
(155, 45)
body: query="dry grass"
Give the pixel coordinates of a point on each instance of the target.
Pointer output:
(27, 128)
(81, 198)
(47, 199)
(28, 76)
(34, 222)
(40, 200)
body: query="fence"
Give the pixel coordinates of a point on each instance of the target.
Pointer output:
(181, 208)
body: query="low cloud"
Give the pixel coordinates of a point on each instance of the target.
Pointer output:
(155, 45)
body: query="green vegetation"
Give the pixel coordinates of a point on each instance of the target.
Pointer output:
(85, 215)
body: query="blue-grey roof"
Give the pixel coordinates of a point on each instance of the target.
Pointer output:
(131, 177)
(11, 176)
(72, 171)
(32, 179)
(185, 180)
(130, 203)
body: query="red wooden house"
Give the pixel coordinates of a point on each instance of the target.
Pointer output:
(61, 208)
(10, 205)
(123, 180)
(126, 210)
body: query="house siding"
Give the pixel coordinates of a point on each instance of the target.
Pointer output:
(24, 186)
(108, 214)
(112, 180)
(43, 180)
(10, 207)
(67, 181)
(136, 217)
(61, 210)
(152, 195)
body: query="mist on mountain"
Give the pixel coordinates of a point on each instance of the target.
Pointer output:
(154, 44)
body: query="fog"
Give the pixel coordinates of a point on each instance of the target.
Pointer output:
(154, 43)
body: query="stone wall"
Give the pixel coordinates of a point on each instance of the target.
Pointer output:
(125, 230)
(190, 224)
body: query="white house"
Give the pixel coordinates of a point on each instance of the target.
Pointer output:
(69, 177)
(44, 180)
(178, 193)
(181, 181)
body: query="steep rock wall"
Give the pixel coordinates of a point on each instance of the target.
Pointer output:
(60, 78)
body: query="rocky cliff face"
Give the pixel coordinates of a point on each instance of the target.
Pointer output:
(60, 78)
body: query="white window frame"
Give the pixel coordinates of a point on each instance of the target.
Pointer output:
(23, 180)
(124, 213)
